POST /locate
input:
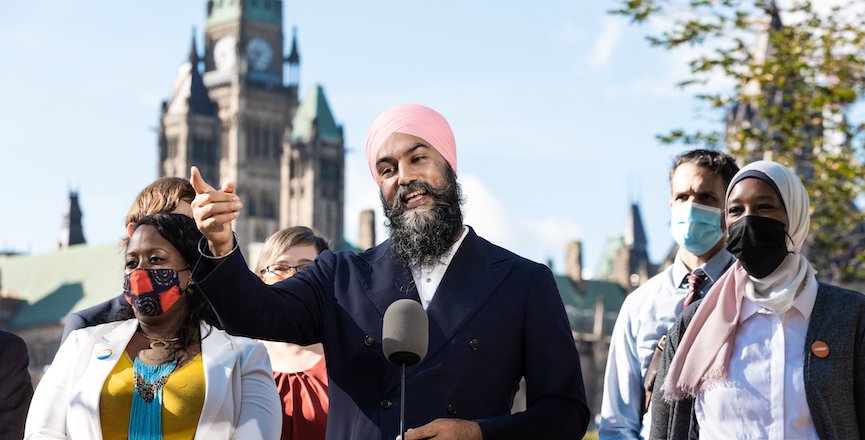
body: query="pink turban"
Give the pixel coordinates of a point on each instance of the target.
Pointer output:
(414, 120)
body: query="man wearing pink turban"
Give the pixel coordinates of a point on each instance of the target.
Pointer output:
(494, 317)
(415, 120)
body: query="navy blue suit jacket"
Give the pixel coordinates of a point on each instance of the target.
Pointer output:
(115, 309)
(495, 318)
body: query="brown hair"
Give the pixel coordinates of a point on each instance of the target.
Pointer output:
(161, 196)
(715, 161)
(287, 238)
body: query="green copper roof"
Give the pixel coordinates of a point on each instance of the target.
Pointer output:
(57, 283)
(314, 111)
(222, 11)
(263, 10)
(612, 293)
(580, 302)
(345, 245)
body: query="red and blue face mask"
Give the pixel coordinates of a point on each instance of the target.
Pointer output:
(151, 292)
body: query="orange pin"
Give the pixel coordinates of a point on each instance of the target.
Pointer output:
(820, 349)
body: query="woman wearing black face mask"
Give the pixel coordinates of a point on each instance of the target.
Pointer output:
(770, 352)
(165, 372)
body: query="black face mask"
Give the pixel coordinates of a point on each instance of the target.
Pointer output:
(759, 243)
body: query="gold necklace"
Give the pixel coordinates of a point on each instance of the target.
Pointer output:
(161, 351)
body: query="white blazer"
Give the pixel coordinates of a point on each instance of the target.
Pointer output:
(240, 400)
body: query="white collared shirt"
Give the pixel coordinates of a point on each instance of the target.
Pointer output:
(764, 395)
(427, 280)
(645, 316)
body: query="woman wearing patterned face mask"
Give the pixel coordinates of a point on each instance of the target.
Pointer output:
(771, 353)
(300, 372)
(165, 373)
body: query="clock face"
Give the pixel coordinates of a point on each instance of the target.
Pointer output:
(225, 53)
(259, 53)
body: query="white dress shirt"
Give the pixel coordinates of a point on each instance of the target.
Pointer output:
(427, 279)
(645, 316)
(764, 394)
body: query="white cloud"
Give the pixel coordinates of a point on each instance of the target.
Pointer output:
(671, 67)
(485, 213)
(664, 83)
(554, 232)
(568, 33)
(608, 39)
(536, 239)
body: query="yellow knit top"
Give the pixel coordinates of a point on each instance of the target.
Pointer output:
(182, 400)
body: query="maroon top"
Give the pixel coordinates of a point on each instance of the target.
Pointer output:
(304, 402)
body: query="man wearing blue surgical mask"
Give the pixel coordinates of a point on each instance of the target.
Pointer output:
(698, 180)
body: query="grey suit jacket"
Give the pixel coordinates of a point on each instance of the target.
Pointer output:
(834, 385)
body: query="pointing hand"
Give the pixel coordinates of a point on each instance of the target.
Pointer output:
(213, 211)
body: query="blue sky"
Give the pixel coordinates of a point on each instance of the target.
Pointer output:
(554, 109)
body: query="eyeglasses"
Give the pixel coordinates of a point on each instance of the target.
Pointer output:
(282, 270)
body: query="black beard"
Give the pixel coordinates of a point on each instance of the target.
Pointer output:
(421, 239)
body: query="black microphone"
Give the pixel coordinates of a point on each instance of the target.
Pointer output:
(405, 340)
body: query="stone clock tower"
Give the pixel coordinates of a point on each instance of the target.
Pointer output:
(236, 122)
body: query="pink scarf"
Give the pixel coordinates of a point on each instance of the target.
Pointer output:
(704, 351)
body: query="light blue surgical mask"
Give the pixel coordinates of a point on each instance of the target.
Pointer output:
(695, 227)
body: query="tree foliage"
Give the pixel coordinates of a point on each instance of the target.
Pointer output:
(798, 70)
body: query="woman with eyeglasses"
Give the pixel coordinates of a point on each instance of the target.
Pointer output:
(165, 372)
(299, 371)
(770, 352)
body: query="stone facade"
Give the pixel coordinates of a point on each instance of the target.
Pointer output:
(242, 121)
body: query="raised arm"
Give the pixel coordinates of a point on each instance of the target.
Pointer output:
(290, 310)
(214, 210)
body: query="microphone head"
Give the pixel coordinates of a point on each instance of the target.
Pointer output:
(405, 332)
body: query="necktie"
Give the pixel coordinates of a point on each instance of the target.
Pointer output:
(695, 279)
